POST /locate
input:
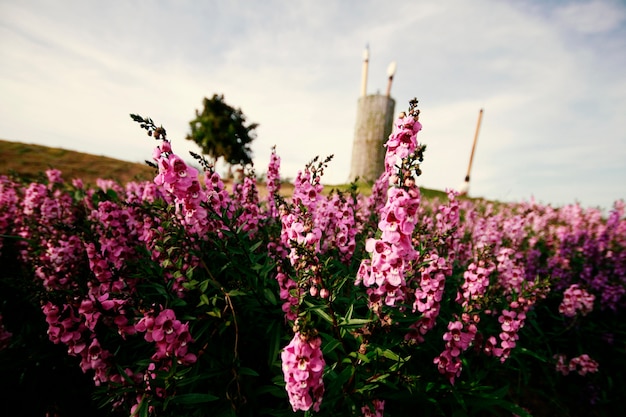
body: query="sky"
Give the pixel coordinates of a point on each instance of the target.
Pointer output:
(549, 75)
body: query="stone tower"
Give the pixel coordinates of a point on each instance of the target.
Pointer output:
(374, 122)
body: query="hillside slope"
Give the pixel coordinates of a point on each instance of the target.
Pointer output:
(30, 161)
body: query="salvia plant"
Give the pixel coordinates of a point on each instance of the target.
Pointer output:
(182, 297)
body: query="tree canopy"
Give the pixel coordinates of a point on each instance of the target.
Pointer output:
(221, 131)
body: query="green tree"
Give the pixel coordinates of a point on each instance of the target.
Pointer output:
(221, 131)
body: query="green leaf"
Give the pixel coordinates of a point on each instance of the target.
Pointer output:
(330, 346)
(274, 343)
(533, 354)
(269, 296)
(187, 399)
(189, 273)
(177, 302)
(345, 375)
(248, 371)
(275, 391)
(389, 354)
(255, 246)
(320, 312)
(359, 356)
(142, 410)
(354, 322)
(378, 378)
(204, 300)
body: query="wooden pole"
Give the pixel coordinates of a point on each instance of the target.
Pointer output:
(366, 57)
(389, 81)
(391, 71)
(469, 167)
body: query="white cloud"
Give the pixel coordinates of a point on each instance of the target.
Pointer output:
(553, 92)
(591, 17)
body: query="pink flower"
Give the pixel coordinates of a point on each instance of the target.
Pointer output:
(448, 364)
(164, 326)
(576, 300)
(272, 183)
(379, 407)
(582, 364)
(457, 340)
(490, 345)
(561, 364)
(303, 366)
(475, 285)
(171, 337)
(54, 176)
(5, 335)
(429, 293)
(508, 322)
(392, 254)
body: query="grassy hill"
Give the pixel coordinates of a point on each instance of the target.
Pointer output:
(31, 161)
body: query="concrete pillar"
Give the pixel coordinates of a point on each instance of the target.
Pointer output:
(374, 121)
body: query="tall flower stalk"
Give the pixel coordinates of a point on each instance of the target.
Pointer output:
(392, 253)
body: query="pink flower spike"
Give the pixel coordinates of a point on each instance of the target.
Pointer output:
(303, 366)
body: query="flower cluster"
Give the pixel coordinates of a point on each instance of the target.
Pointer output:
(582, 364)
(8, 206)
(511, 274)
(576, 300)
(303, 366)
(377, 411)
(170, 336)
(447, 221)
(272, 183)
(475, 284)
(61, 256)
(393, 253)
(428, 295)
(402, 143)
(511, 322)
(64, 326)
(5, 335)
(248, 218)
(290, 293)
(181, 181)
(458, 338)
(218, 197)
(98, 360)
(116, 228)
(301, 233)
(337, 218)
(68, 328)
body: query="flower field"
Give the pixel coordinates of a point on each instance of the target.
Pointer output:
(180, 297)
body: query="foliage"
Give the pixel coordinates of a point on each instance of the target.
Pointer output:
(221, 131)
(180, 297)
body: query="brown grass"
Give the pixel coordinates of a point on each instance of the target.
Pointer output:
(31, 161)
